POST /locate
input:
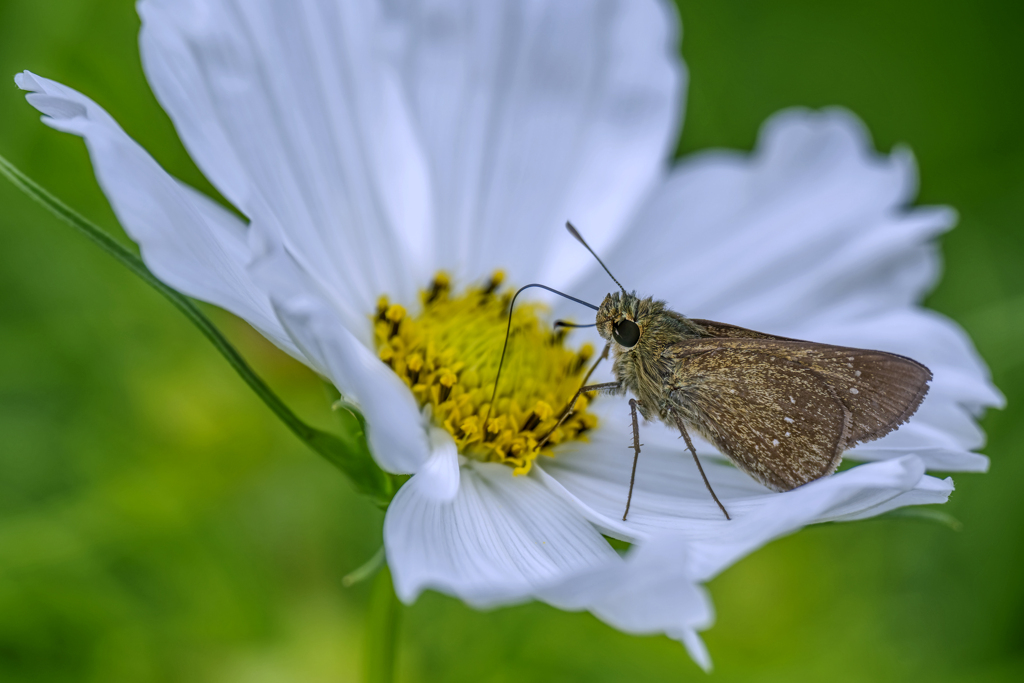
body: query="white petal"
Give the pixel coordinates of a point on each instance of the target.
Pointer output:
(395, 430)
(537, 112)
(668, 489)
(669, 494)
(935, 459)
(926, 491)
(438, 478)
(501, 539)
(812, 225)
(646, 594)
(186, 239)
(292, 105)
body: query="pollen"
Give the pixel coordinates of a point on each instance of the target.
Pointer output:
(448, 355)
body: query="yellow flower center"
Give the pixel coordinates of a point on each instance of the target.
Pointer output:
(448, 355)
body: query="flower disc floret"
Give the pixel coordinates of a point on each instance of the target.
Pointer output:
(448, 355)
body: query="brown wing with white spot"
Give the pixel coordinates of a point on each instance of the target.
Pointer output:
(785, 411)
(777, 420)
(881, 390)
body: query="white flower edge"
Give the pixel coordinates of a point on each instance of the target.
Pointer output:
(645, 595)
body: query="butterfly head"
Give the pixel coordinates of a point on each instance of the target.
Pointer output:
(619, 319)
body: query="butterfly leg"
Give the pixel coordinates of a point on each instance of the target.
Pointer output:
(636, 454)
(607, 386)
(603, 356)
(693, 451)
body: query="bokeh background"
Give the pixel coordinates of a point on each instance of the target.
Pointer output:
(158, 524)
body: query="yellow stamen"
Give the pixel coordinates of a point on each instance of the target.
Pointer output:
(448, 355)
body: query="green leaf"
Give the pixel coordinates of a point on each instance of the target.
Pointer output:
(348, 451)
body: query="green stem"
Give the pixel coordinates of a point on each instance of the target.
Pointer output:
(183, 304)
(348, 452)
(382, 630)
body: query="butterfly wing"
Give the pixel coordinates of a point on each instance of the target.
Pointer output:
(882, 390)
(713, 329)
(784, 411)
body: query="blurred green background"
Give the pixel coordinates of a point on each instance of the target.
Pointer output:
(158, 524)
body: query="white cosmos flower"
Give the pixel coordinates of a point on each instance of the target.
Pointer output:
(371, 145)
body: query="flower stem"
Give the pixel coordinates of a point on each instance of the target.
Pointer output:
(382, 630)
(347, 451)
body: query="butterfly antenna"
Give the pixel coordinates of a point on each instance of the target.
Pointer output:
(508, 331)
(572, 231)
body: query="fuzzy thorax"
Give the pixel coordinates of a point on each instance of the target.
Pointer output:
(641, 367)
(448, 355)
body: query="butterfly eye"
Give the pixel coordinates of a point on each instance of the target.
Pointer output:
(626, 333)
